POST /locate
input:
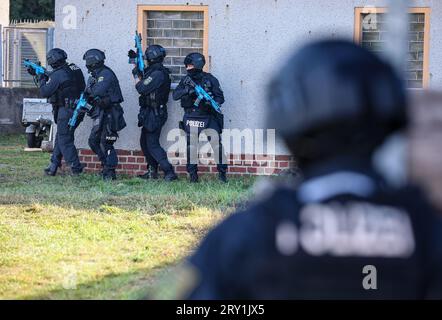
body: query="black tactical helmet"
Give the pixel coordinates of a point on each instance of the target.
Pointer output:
(334, 98)
(196, 59)
(94, 59)
(155, 53)
(56, 57)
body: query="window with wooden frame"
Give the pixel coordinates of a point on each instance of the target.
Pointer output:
(179, 29)
(370, 30)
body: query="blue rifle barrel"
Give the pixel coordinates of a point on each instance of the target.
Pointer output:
(140, 59)
(38, 69)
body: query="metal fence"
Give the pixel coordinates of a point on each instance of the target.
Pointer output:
(19, 43)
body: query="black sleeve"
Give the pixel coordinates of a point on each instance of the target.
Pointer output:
(219, 259)
(90, 82)
(79, 77)
(150, 83)
(218, 94)
(180, 91)
(427, 223)
(434, 255)
(50, 86)
(208, 265)
(103, 84)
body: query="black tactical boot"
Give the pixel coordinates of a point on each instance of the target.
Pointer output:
(78, 171)
(102, 169)
(170, 176)
(109, 175)
(222, 177)
(51, 170)
(194, 177)
(154, 173)
(145, 176)
(151, 173)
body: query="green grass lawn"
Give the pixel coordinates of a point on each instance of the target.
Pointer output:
(81, 238)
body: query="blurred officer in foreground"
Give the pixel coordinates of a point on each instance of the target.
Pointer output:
(343, 232)
(62, 87)
(104, 93)
(199, 114)
(154, 87)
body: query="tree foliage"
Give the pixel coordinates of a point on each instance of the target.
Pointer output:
(32, 9)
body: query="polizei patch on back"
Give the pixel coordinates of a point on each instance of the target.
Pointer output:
(356, 229)
(195, 123)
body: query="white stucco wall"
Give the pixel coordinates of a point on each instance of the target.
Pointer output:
(248, 39)
(4, 12)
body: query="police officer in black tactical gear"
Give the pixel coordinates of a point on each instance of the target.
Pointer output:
(345, 231)
(203, 116)
(105, 95)
(62, 87)
(154, 87)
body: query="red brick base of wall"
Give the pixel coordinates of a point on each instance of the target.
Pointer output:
(133, 163)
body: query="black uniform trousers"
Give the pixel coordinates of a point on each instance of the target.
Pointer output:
(215, 123)
(64, 146)
(100, 142)
(150, 140)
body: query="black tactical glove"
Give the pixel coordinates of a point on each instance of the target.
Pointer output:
(42, 77)
(140, 120)
(132, 57)
(132, 54)
(188, 82)
(91, 82)
(137, 73)
(90, 99)
(189, 86)
(32, 72)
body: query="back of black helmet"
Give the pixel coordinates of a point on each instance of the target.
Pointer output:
(56, 57)
(334, 97)
(94, 59)
(195, 59)
(155, 54)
